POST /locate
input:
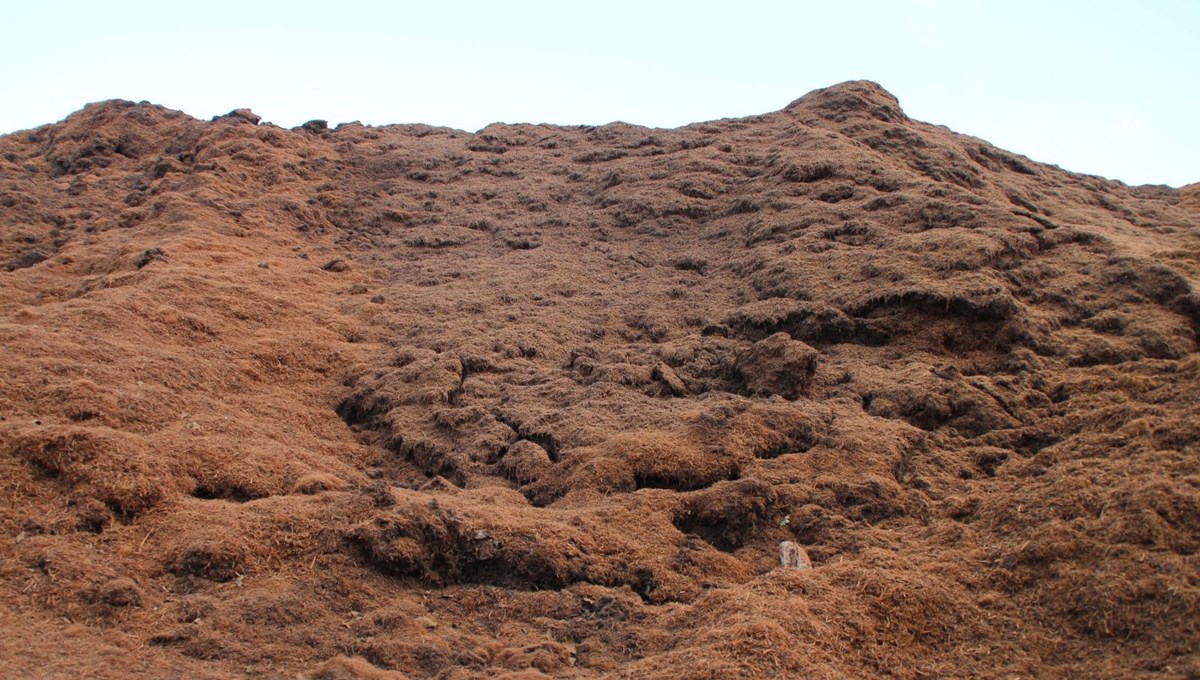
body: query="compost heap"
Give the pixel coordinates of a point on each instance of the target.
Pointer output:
(410, 402)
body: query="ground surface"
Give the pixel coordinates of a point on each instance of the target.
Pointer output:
(544, 401)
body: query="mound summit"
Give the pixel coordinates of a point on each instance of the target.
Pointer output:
(541, 401)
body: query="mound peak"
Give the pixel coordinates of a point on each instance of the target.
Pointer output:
(852, 97)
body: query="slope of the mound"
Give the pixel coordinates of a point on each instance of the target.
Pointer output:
(412, 402)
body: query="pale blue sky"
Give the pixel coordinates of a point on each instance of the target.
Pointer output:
(1108, 88)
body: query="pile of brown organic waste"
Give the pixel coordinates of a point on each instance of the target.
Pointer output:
(409, 402)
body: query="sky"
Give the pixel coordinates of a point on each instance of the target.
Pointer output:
(1105, 88)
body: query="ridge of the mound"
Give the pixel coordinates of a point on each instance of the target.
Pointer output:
(849, 96)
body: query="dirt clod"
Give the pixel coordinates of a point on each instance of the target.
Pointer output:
(777, 365)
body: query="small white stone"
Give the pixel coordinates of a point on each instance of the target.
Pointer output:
(792, 556)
